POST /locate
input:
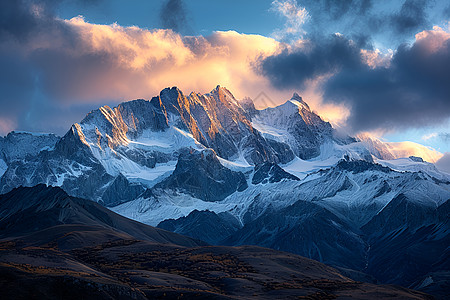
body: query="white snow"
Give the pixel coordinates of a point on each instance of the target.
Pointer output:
(407, 164)
(268, 130)
(357, 203)
(274, 122)
(168, 141)
(426, 282)
(395, 150)
(3, 167)
(168, 205)
(330, 154)
(238, 165)
(301, 168)
(150, 177)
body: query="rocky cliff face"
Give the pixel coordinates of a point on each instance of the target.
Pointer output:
(20, 145)
(137, 144)
(200, 174)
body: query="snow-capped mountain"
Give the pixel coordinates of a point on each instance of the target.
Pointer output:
(215, 168)
(19, 145)
(113, 154)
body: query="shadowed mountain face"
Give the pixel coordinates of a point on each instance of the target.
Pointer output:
(46, 212)
(54, 246)
(356, 215)
(413, 240)
(201, 175)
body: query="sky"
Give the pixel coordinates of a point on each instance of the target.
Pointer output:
(381, 67)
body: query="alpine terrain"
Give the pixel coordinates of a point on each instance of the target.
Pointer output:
(218, 170)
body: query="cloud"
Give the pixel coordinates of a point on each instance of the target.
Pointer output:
(339, 9)
(349, 16)
(430, 136)
(443, 164)
(129, 62)
(406, 149)
(410, 91)
(293, 67)
(444, 136)
(65, 66)
(386, 22)
(71, 65)
(173, 16)
(295, 15)
(412, 16)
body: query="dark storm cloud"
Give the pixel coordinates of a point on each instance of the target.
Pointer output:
(338, 9)
(386, 20)
(411, 17)
(27, 74)
(16, 85)
(351, 15)
(173, 16)
(19, 23)
(20, 18)
(362, 41)
(293, 69)
(413, 91)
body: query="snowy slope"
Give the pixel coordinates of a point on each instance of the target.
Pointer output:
(294, 124)
(411, 165)
(355, 191)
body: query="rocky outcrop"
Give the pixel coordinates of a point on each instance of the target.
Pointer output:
(270, 173)
(121, 190)
(200, 174)
(19, 145)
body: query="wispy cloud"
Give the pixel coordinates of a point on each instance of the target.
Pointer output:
(295, 15)
(430, 136)
(173, 15)
(443, 136)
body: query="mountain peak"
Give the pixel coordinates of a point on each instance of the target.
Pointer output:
(296, 96)
(298, 100)
(223, 95)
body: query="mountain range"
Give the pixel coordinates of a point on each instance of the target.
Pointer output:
(217, 169)
(54, 246)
